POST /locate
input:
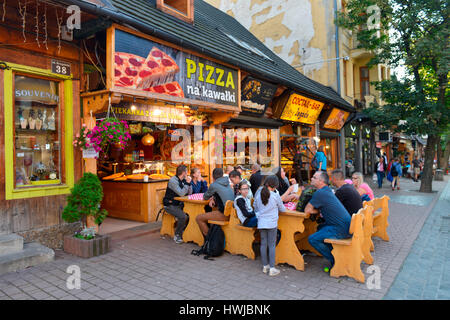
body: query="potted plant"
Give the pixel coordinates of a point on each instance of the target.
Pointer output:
(83, 202)
(109, 131)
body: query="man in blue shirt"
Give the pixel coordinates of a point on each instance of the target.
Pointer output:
(337, 219)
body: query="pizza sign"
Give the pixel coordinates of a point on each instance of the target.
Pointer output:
(150, 66)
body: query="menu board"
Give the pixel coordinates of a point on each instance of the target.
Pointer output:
(256, 96)
(146, 65)
(301, 109)
(336, 119)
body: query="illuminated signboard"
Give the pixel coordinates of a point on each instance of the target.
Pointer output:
(301, 109)
(146, 65)
(336, 119)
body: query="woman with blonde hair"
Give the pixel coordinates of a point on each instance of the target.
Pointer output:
(363, 188)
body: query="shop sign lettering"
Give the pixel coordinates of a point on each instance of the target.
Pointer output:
(302, 109)
(150, 66)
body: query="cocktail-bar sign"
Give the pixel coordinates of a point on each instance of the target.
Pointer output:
(256, 96)
(301, 109)
(149, 66)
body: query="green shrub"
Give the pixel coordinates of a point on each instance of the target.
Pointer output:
(84, 200)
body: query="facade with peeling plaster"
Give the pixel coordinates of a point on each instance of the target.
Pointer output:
(303, 33)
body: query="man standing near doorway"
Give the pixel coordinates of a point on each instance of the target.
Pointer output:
(178, 186)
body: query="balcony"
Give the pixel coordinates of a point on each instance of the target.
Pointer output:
(358, 53)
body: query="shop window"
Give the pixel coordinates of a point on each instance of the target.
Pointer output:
(182, 9)
(365, 82)
(38, 149)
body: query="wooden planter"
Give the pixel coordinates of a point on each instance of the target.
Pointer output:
(101, 244)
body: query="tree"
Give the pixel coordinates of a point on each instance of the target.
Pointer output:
(414, 33)
(84, 200)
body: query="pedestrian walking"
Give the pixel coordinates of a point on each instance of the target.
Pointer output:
(267, 205)
(396, 172)
(416, 168)
(380, 168)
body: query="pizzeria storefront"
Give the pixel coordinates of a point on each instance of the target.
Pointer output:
(253, 136)
(175, 102)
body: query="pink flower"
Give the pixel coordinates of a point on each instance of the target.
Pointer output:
(84, 125)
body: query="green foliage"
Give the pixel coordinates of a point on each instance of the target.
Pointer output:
(84, 200)
(413, 33)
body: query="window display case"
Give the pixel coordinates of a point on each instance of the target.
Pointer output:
(37, 132)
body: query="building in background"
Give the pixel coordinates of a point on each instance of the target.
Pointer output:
(303, 33)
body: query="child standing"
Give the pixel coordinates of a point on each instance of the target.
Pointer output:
(267, 204)
(243, 206)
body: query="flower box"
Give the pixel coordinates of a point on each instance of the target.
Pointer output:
(101, 244)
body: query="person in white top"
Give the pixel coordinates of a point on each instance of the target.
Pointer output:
(267, 204)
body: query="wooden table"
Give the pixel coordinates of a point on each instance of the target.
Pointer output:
(193, 208)
(289, 223)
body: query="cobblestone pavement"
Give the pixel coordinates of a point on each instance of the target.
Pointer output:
(426, 273)
(150, 267)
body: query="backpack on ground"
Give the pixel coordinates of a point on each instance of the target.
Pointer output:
(214, 243)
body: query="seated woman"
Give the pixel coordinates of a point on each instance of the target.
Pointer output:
(243, 206)
(363, 188)
(285, 189)
(198, 184)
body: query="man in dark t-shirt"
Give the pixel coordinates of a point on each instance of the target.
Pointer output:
(337, 219)
(346, 193)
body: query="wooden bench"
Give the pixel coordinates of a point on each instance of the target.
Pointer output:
(348, 253)
(238, 238)
(168, 225)
(367, 244)
(380, 219)
(168, 222)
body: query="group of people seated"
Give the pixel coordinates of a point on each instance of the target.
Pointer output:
(269, 193)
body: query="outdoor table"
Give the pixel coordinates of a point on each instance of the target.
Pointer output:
(289, 223)
(193, 208)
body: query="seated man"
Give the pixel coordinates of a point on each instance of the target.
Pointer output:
(337, 219)
(178, 186)
(235, 178)
(221, 188)
(255, 178)
(346, 193)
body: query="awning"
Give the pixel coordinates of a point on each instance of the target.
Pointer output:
(252, 122)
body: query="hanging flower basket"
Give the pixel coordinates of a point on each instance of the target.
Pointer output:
(109, 131)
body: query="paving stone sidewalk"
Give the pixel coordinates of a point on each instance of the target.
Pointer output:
(426, 272)
(151, 267)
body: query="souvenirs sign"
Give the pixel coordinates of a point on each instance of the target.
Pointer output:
(256, 96)
(301, 109)
(336, 119)
(150, 66)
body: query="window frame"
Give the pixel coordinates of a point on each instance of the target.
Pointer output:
(166, 8)
(65, 131)
(362, 79)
